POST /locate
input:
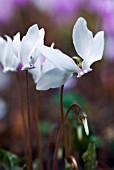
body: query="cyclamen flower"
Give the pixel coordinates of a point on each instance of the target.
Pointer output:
(57, 67)
(47, 74)
(19, 54)
(27, 50)
(89, 48)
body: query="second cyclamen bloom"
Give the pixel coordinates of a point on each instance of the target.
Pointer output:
(47, 74)
(28, 48)
(22, 54)
(58, 67)
(89, 48)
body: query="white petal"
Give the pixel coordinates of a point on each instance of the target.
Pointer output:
(59, 59)
(2, 49)
(35, 73)
(16, 45)
(47, 66)
(80, 74)
(98, 47)
(85, 126)
(41, 68)
(52, 79)
(41, 36)
(10, 61)
(29, 43)
(82, 38)
(96, 52)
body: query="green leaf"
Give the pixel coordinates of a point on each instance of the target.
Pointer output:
(9, 161)
(89, 157)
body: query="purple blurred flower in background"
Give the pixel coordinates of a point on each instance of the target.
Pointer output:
(21, 2)
(60, 10)
(103, 7)
(109, 47)
(65, 10)
(8, 8)
(108, 23)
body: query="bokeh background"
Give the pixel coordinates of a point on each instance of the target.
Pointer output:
(94, 91)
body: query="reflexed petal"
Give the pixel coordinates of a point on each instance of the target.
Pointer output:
(10, 61)
(16, 44)
(96, 52)
(52, 79)
(2, 50)
(59, 59)
(98, 47)
(29, 43)
(82, 38)
(41, 36)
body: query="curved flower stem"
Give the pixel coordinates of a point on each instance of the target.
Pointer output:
(19, 82)
(62, 122)
(59, 137)
(37, 132)
(29, 134)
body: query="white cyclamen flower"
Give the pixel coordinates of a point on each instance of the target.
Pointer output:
(47, 74)
(28, 48)
(89, 48)
(57, 67)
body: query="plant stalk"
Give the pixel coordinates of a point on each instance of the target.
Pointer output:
(29, 134)
(59, 137)
(37, 132)
(63, 123)
(19, 82)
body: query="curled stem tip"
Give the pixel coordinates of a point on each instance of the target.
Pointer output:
(72, 161)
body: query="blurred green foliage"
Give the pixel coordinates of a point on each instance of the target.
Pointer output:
(89, 157)
(10, 161)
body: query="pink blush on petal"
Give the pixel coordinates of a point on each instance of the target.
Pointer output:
(42, 59)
